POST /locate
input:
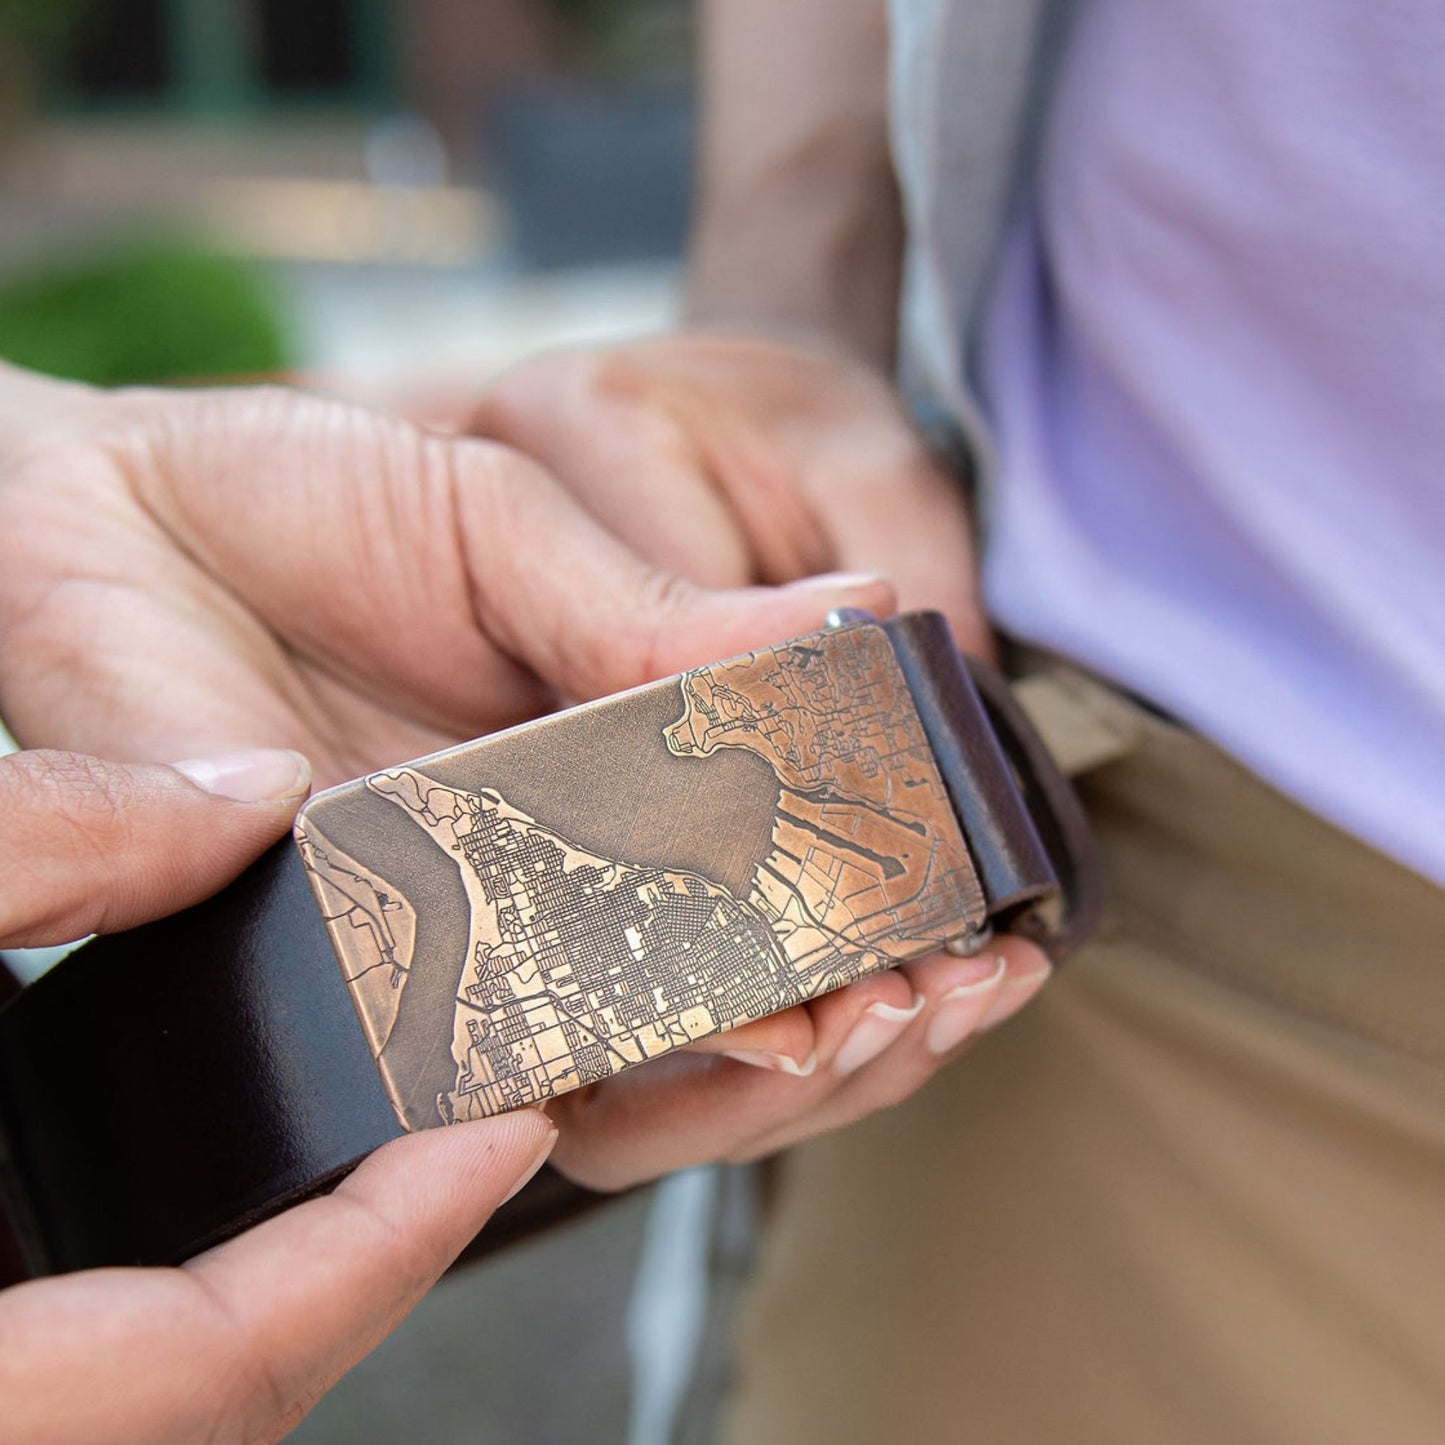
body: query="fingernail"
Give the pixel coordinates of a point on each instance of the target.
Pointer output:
(959, 1012)
(880, 1024)
(1013, 994)
(836, 582)
(778, 1063)
(543, 1154)
(263, 775)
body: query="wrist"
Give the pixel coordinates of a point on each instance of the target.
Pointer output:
(807, 248)
(798, 227)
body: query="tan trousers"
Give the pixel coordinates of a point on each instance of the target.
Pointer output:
(1195, 1193)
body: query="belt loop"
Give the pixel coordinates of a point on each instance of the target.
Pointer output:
(1083, 722)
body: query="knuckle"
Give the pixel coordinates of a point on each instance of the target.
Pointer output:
(493, 493)
(65, 808)
(502, 410)
(612, 376)
(75, 789)
(266, 406)
(525, 405)
(494, 467)
(663, 600)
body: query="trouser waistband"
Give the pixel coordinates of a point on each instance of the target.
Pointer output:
(1205, 855)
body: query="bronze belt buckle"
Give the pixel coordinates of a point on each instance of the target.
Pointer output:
(538, 910)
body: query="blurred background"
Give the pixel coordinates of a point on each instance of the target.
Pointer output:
(392, 201)
(396, 194)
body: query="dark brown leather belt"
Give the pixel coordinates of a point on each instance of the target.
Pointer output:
(528, 914)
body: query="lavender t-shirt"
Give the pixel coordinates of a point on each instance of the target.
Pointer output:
(1216, 366)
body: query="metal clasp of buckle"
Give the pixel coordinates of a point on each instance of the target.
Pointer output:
(537, 910)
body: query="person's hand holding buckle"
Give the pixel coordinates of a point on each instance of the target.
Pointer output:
(185, 573)
(735, 460)
(241, 1341)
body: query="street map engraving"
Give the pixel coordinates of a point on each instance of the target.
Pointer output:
(372, 926)
(575, 965)
(578, 965)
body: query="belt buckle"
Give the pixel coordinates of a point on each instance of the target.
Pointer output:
(538, 910)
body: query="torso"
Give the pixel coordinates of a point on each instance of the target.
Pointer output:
(1215, 366)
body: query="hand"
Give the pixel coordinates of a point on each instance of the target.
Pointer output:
(735, 460)
(184, 573)
(237, 1344)
(194, 572)
(741, 1095)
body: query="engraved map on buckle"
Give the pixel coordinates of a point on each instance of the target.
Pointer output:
(539, 910)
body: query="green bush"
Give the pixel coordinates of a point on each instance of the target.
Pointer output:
(144, 312)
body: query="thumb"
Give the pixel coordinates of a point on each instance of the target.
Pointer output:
(312, 1291)
(92, 846)
(242, 1340)
(589, 617)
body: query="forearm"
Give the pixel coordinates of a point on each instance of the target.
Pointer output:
(797, 227)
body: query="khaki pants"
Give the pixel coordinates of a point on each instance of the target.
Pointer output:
(1195, 1193)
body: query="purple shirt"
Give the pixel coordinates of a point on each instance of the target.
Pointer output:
(1216, 366)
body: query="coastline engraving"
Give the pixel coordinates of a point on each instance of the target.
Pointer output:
(575, 964)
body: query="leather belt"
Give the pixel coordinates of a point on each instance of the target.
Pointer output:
(528, 914)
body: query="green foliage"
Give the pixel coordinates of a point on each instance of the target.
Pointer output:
(146, 311)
